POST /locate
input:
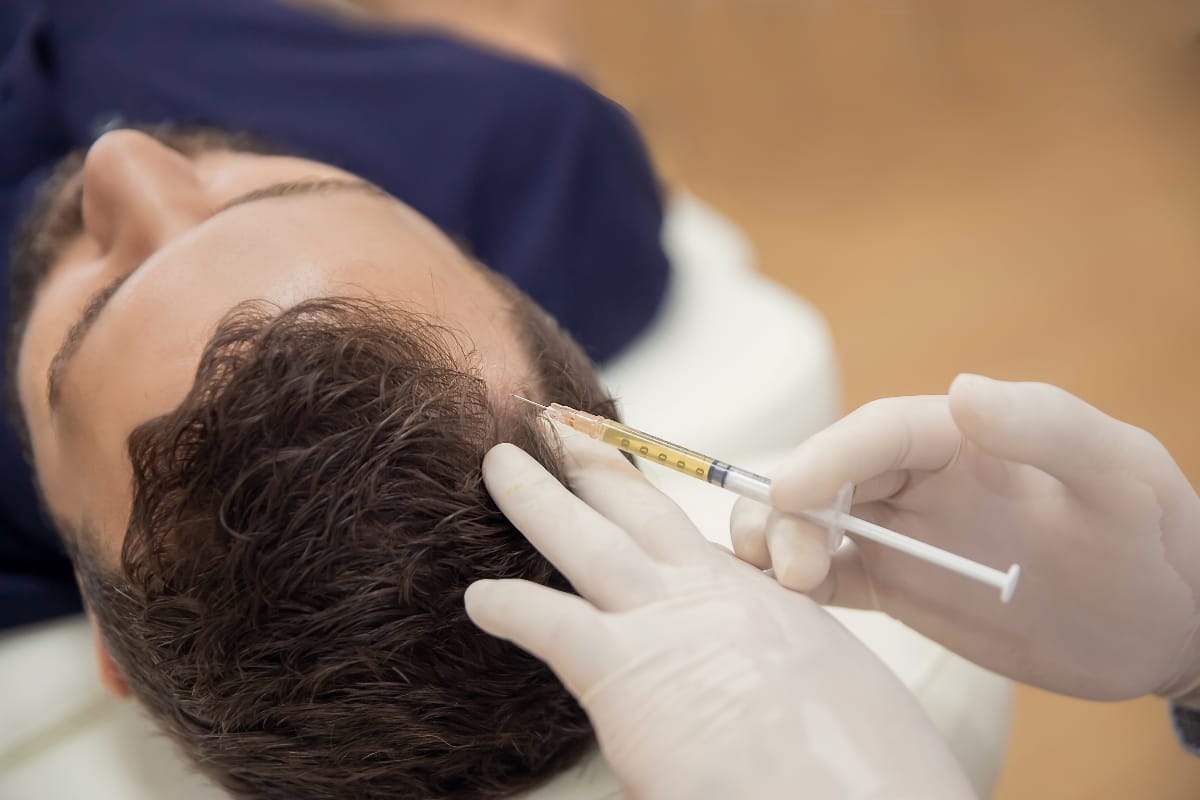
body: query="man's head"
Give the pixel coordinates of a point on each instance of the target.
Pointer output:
(257, 392)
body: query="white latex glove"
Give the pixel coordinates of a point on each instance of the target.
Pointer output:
(1102, 521)
(702, 677)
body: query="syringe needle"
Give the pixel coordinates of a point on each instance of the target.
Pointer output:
(527, 400)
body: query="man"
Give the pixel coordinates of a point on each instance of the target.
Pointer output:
(257, 392)
(541, 178)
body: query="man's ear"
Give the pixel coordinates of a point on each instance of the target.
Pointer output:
(110, 673)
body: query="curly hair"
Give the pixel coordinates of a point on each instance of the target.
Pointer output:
(288, 604)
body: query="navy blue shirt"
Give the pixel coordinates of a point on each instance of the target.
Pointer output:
(539, 176)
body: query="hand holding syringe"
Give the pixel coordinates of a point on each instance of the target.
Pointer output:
(756, 487)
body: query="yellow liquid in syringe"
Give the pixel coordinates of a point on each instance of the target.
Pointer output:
(647, 446)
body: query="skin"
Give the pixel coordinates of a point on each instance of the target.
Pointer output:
(155, 215)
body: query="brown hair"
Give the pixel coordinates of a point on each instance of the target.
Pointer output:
(289, 598)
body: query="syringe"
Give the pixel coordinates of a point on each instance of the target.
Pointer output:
(756, 487)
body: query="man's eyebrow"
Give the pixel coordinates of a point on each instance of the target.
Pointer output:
(74, 337)
(91, 312)
(303, 187)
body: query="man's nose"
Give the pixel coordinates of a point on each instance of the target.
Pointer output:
(138, 194)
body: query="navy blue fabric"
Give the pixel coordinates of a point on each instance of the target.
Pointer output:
(539, 176)
(1187, 727)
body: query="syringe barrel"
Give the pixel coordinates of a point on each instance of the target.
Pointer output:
(644, 445)
(695, 465)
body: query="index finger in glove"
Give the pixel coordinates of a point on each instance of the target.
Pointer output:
(898, 433)
(600, 560)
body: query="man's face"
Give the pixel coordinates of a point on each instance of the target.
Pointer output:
(169, 244)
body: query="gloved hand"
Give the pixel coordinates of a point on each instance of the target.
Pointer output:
(702, 677)
(1102, 521)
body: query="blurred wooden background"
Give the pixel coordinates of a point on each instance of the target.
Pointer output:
(1011, 188)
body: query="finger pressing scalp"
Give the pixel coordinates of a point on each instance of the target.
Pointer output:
(600, 559)
(559, 628)
(601, 476)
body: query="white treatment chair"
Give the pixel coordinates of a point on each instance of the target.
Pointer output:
(735, 366)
